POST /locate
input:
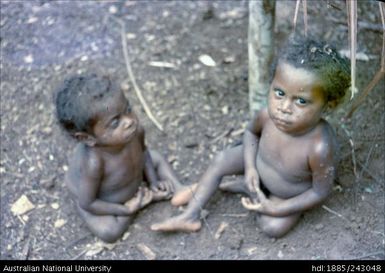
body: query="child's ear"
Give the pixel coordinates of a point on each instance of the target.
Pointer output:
(85, 138)
(332, 104)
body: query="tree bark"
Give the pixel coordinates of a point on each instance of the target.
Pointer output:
(260, 47)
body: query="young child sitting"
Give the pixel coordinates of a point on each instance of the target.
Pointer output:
(289, 152)
(111, 160)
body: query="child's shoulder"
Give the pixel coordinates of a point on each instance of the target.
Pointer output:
(324, 139)
(262, 115)
(86, 157)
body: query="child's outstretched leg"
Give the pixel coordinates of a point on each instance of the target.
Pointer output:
(182, 193)
(228, 162)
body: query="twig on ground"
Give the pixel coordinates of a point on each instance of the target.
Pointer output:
(132, 78)
(225, 133)
(334, 212)
(368, 255)
(369, 172)
(235, 215)
(80, 254)
(356, 175)
(26, 249)
(367, 160)
(76, 241)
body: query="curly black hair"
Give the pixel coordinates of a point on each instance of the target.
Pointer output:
(322, 59)
(78, 99)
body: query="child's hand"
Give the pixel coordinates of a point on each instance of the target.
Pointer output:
(164, 186)
(142, 198)
(159, 194)
(134, 203)
(263, 205)
(252, 180)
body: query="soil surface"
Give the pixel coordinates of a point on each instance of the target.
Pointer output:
(203, 109)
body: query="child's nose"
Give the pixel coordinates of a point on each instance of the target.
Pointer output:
(128, 123)
(285, 107)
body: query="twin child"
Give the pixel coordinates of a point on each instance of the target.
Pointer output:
(288, 155)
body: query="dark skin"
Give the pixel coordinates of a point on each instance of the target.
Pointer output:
(109, 166)
(288, 148)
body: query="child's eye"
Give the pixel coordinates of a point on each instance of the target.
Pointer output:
(279, 92)
(114, 123)
(301, 101)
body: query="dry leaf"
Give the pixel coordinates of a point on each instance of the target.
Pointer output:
(146, 251)
(28, 59)
(162, 64)
(207, 60)
(59, 223)
(55, 205)
(22, 205)
(98, 247)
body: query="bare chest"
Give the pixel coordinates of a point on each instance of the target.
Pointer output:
(284, 156)
(124, 169)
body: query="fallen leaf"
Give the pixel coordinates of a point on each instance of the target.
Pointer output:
(59, 223)
(22, 205)
(98, 247)
(161, 64)
(28, 59)
(55, 205)
(207, 60)
(125, 236)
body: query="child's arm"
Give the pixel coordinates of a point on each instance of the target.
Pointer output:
(250, 149)
(150, 172)
(321, 162)
(89, 179)
(149, 169)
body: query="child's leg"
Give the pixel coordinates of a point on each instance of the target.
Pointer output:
(182, 193)
(277, 226)
(228, 162)
(108, 228)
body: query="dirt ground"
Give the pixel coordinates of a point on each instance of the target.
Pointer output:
(203, 110)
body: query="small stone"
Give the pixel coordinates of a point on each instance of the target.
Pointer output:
(319, 227)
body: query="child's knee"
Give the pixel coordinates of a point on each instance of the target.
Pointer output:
(110, 234)
(219, 159)
(274, 230)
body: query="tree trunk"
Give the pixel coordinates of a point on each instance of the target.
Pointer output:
(261, 48)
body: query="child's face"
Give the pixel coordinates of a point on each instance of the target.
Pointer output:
(296, 99)
(115, 123)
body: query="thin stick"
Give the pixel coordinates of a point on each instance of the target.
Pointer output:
(334, 212)
(304, 6)
(367, 255)
(296, 13)
(352, 23)
(132, 78)
(379, 75)
(356, 175)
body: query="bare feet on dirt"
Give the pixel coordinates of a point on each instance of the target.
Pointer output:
(183, 195)
(178, 223)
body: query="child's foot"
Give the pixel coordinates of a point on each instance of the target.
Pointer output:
(178, 223)
(183, 195)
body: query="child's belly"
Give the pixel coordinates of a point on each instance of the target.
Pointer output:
(121, 193)
(120, 186)
(280, 184)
